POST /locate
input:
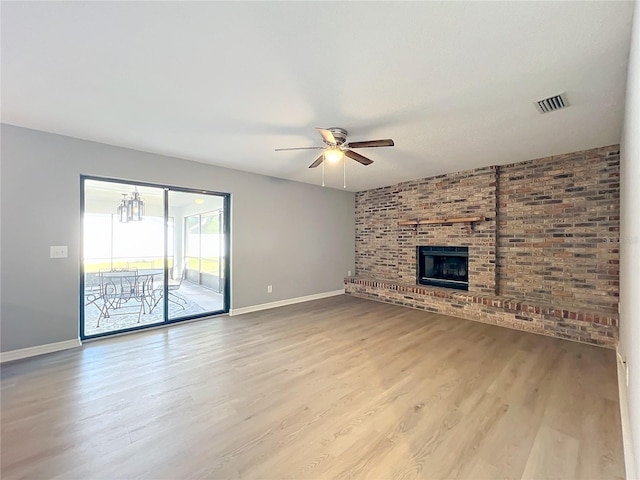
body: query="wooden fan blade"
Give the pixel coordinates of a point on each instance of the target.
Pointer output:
(317, 162)
(327, 136)
(299, 148)
(357, 157)
(372, 143)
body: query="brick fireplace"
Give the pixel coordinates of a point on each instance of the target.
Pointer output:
(544, 257)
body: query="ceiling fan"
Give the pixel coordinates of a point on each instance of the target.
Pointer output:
(336, 147)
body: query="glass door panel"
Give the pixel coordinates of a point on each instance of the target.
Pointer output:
(123, 257)
(196, 284)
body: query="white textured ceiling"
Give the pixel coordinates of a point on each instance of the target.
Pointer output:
(453, 83)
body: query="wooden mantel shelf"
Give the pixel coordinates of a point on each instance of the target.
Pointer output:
(435, 221)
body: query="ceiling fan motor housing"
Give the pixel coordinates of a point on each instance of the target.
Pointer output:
(340, 134)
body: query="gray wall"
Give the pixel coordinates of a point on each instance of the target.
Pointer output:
(630, 238)
(294, 236)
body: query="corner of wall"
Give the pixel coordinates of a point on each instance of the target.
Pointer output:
(630, 252)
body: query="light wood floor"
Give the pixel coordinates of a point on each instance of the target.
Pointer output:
(334, 388)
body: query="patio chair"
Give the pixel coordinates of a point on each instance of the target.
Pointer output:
(92, 288)
(173, 285)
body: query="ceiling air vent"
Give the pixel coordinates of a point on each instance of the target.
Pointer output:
(552, 104)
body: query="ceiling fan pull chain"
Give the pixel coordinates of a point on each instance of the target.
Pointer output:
(344, 172)
(323, 173)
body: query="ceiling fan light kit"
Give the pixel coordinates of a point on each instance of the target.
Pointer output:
(333, 155)
(337, 148)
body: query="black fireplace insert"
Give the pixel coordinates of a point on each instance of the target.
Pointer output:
(443, 266)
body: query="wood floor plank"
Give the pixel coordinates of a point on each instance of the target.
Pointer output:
(597, 455)
(554, 456)
(334, 388)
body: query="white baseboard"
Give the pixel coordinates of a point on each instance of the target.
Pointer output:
(282, 303)
(629, 460)
(38, 350)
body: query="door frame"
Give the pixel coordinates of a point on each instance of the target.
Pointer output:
(226, 226)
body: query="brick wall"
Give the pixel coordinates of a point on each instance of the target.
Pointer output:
(377, 233)
(558, 229)
(550, 239)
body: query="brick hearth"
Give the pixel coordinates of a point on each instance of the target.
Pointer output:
(544, 260)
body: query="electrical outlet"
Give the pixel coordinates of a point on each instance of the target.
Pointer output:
(269, 288)
(58, 251)
(348, 273)
(625, 366)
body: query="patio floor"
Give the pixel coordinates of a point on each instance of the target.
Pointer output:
(198, 300)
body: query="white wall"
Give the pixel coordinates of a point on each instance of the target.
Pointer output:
(630, 239)
(294, 236)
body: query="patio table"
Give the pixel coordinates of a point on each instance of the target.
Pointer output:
(119, 287)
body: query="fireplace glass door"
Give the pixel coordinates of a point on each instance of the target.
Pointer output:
(443, 266)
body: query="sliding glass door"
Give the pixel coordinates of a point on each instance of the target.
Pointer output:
(151, 255)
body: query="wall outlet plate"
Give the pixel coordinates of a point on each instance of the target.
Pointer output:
(627, 372)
